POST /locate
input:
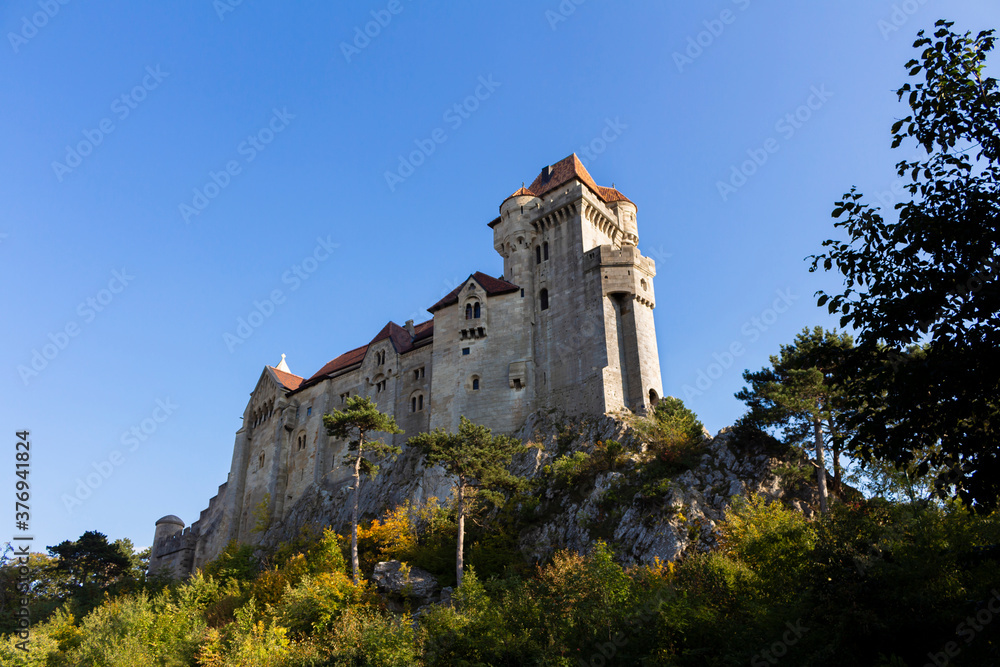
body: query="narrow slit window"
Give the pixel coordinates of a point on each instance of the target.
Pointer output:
(538, 254)
(545, 250)
(543, 298)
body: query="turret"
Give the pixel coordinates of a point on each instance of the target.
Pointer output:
(513, 235)
(165, 527)
(625, 210)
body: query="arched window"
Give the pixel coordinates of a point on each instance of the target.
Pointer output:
(476, 311)
(475, 383)
(538, 254)
(545, 250)
(543, 297)
(653, 398)
(420, 402)
(413, 404)
(468, 311)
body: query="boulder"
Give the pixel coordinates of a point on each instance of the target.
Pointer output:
(398, 580)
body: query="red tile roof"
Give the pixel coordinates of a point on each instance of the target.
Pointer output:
(563, 172)
(346, 360)
(523, 191)
(401, 340)
(288, 380)
(493, 286)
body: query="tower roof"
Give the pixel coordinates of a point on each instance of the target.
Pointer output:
(567, 169)
(556, 175)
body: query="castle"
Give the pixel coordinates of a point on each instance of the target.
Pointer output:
(569, 326)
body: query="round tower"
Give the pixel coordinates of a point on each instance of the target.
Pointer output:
(513, 235)
(165, 527)
(626, 220)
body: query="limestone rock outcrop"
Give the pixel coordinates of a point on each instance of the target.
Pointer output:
(643, 521)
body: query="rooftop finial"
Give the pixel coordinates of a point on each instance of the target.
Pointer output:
(282, 366)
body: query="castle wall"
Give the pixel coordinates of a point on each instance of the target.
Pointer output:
(497, 357)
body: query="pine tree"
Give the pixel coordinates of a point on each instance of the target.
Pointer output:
(359, 419)
(479, 460)
(799, 396)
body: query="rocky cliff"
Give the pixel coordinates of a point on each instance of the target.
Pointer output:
(585, 491)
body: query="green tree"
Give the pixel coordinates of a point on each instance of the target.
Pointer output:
(479, 460)
(92, 563)
(359, 419)
(799, 395)
(930, 277)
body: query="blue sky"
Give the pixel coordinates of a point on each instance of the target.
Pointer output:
(167, 169)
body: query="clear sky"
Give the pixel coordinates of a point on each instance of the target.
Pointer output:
(168, 167)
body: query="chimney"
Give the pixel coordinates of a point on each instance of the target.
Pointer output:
(409, 327)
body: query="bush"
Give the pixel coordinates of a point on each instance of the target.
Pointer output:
(134, 630)
(236, 562)
(317, 601)
(363, 636)
(772, 540)
(568, 469)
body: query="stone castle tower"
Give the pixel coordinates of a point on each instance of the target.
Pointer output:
(568, 326)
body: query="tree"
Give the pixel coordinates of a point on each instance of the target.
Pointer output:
(930, 277)
(800, 396)
(479, 460)
(359, 419)
(91, 563)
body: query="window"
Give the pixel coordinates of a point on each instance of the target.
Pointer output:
(413, 404)
(301, 443)
(309, 411)
(345, 396)
(543, 297)
(517, 383)
(475, 383)
(417, 403)
(545, 250)
(476, 311)
(420, 402)
(465, 351)
(538, 254)
(522, 292)
(468, 311)
(260, 461)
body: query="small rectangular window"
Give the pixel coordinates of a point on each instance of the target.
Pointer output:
(465, 351)
(309, 411)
